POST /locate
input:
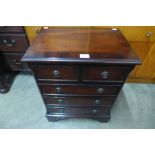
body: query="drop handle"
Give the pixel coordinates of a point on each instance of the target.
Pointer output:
(60, 101)
(16, 62)
(97, 101)
(58, 90)
(94, 111)
(61, 110)
(99, 90)
(9, 42)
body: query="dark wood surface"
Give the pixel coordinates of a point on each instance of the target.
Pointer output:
(80, 89)
(6, 80)
(66, 45)
(94, 111)
(79, 101)
(75, 87)
(65, 72)
(13, 44)
(11, 29)
(12, 61)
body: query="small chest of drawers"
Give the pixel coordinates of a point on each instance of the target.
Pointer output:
(80, 71)
(13, 44)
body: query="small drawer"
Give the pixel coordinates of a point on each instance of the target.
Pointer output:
(55, 72)
(101, 74)
(11, 29)
(79, 101)
(86, 90)
(13, 61)
(13, 43)
(78, 110)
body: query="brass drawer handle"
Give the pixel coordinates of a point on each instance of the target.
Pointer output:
(58, 90)
(104, 74)
(60, 101)
(61, 110)
(16, 62)
(149, 34)
(100, 90)
(56, 74)
(94, 111)
(9, 42)
(97, 101)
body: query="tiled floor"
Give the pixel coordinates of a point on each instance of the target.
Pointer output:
(23, 107)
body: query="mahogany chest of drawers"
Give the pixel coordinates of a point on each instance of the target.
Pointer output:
(80, 71)
(13, 44)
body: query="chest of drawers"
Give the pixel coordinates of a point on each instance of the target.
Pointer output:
(80, 71)
(13, 44)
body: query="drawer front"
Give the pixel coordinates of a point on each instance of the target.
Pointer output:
(79, 101)
(11, 29)
(101, 74)
(13, 43)
(136, 33)
(13, 61)
(55, 72)
(79, 89)
(78, 110)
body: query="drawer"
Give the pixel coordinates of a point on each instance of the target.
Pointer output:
(56, 72)
(136, 33)
(78, 110)
(13, 43)
(13, 61)
(11, 29)
(87, 90)
(79, 101)
(101, 74)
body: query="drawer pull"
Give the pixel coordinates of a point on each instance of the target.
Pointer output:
(56, 74)
(9, 42)
(61, 110)
(60, 101)
(149, 34)
(58, 90)
(97, 101)
(100, 90)
(94, 111)
(104, 75)
(16, 62)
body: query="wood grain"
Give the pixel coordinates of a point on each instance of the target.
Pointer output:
(66, 45)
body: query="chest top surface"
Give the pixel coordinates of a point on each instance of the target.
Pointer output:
(67, 44)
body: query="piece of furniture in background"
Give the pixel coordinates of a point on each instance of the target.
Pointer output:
(13, 44)
(80, 71)
(141, 39)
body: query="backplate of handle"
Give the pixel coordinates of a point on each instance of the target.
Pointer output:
(56, 74)
(58, 90)
(9, 42)
(99, 90)
(104, 75)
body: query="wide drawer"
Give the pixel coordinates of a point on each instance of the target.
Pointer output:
(13, 43)
(78, 110)
(87, 90)
(101, 74)
(11, 29)
(12, 61)
(79, 101)
(55, 72)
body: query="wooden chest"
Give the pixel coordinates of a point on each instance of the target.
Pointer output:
(80, 71)
(13, 44)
